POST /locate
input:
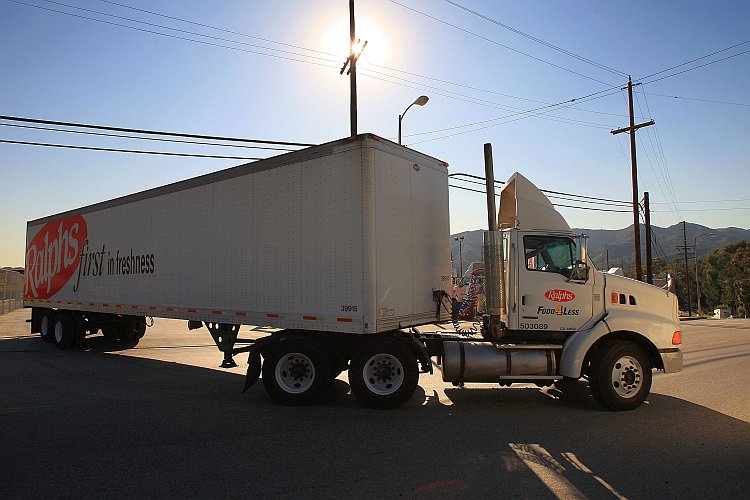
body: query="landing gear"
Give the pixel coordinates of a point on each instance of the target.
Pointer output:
(225, 337)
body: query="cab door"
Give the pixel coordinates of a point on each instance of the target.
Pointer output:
(549, 298)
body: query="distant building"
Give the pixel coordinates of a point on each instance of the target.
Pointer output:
(721, 313)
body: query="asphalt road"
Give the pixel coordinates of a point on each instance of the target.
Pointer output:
(162, 420)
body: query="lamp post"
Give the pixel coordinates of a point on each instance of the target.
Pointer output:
(697, 286)
(460, 240)
(421, 101)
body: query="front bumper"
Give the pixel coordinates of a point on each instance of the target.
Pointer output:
(672, 360)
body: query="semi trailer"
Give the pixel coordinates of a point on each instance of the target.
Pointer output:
(343, 249)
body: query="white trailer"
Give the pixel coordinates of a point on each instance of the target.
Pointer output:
(344, 247)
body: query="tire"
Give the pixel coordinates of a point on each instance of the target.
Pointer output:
(132, 328)
(47, 325)
(64, 330)
(620, 376)
(296, 372)
(79, 331)
(111, 331)
(383, 374)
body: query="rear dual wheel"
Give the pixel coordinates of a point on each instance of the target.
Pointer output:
(297, 371)
(383, 373)
(64, 330)
(47, 325)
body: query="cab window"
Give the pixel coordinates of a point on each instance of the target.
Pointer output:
(552, 254)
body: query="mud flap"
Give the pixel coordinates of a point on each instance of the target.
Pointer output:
(253, 368)
(422, 356)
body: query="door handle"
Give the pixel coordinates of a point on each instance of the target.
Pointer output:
(523, 300)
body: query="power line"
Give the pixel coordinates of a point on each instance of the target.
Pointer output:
(203, 42)
(538, 40)
(710, 209)
(695, 60)
(148, 132)
(705, 201)
(217, 28)
(494, 42)
(582, 99)
(88, 148)
(555, 204)
(182, 31)
(81, 132)
(511, 118)
(698, 99)
(480, 102)
(500, 183)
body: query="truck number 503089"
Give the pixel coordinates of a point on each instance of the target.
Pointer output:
(534, 326)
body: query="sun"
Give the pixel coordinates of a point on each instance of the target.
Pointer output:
(336, 41)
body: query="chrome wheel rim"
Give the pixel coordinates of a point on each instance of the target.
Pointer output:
(626, 377)
(44, 327)
(295, 373)
(383, 374)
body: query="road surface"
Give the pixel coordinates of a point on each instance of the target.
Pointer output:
(162, 419)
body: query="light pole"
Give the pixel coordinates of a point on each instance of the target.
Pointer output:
(460, 240)
(421, 101)
(697, 286)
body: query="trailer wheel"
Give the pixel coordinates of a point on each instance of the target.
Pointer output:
(64, 330)
(383, 374)
(296, 372)
(620, 376)
(132, 328)
(47, 325)
(79, 330)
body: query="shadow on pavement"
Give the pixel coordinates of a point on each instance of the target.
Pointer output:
(89, 423)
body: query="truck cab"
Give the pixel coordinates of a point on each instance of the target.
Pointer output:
(544, 291)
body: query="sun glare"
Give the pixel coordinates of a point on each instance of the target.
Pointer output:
(336, 41)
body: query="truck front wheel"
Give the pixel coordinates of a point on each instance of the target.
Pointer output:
(296, 372)
(383, 374)
(620, 376)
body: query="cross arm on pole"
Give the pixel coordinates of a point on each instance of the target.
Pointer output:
(635, 127)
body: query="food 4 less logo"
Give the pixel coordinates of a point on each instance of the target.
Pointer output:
(560, 310)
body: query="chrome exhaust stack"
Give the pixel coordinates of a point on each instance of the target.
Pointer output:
(494, 263)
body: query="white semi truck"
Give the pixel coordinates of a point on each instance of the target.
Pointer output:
(344, 250)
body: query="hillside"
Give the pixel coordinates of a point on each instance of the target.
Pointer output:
(619, 243)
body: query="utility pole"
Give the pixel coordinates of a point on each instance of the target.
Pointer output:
(352, 73)
(684, 248)
(649, 267)
(634, 176)
(351, 61)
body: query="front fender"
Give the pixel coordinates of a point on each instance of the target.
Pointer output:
(577, 346)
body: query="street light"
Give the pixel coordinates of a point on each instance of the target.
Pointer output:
(697, 287)
(421, 101)
(460, 240)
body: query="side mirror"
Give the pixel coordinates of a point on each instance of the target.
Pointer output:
(580, 271)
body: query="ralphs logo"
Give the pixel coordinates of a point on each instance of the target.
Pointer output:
(53, 256)
(559, 295)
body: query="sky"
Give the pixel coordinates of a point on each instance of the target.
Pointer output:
(270, 70)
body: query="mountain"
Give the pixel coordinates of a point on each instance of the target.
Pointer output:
(618, 244)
